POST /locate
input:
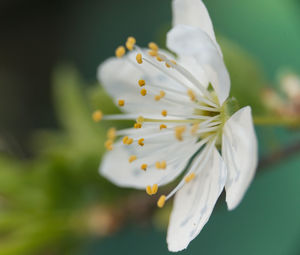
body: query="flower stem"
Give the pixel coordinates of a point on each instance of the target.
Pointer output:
(276, 121)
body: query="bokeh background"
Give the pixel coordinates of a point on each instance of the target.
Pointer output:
(52, 200)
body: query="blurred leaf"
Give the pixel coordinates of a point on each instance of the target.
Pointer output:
(246, 76)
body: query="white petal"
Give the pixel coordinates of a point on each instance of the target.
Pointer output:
(194, 203)
(117, 169)
(239, 150)
(193, 13)
(120, 78)
(191, 42)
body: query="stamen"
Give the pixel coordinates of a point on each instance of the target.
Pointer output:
(189, 121)
(152, 53)
(143, 92)
(129, 141)
(140, 119)
(194, 128)
(141, 142)
(142, 83)
(144, 167)
(191, 94)
(154, 189)
(161, 201)
(97, 116)
(162, 94)
(120, 117)
(111, 134)
(130, 43)
(132, 158)
(149, 190)
(121, 102)
(164, 113)
(120, 51)
(162, 126)
(109, 144)
(137, 125)
(153, 46)
(125, 139)
(163, 164)
(157, 97)
(167, 65)
(179, 131)
(158, 58)
(189, 177)
(157, 165)
(139, 58)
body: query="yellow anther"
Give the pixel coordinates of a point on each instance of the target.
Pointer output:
(125, 139)
(132, 158)
(142, 83)
(190, 177)
(111, 134)
(139, 58)
(143, 92)
(97, 116)
(144, 167)
(109, 144)
(154, 189)
(162, 93)
(121, 102)
(158, 58)
(137, 125)
(152, 53)
(157, 165)
(163, 164)
(157, 97)
(161, 201)
(162, 126)
(164, 113)
(141, 142)
(173, 62)
(153, 46)
(131, 39)
(120, 51)
(149, 190)
(167, 65)
(194, 128)
(140, 119)
(130, 43)
(179, 131)
(129, 141)
(191, 94)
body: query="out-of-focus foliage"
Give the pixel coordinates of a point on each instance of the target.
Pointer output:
(41, 199)
(247, 78)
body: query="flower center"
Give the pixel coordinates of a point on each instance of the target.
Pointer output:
(198, 117)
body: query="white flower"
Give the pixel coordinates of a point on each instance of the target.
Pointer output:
(185, 123)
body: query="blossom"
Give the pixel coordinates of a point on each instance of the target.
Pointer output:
(184, 123)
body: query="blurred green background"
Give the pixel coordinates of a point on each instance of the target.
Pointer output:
(52, 200)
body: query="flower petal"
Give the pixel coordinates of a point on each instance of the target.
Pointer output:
(194, 203)
(116, 167)
(191, 42)
(193, 13)
(239, 150)
(120, 78)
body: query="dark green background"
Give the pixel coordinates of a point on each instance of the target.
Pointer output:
(36, 36)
